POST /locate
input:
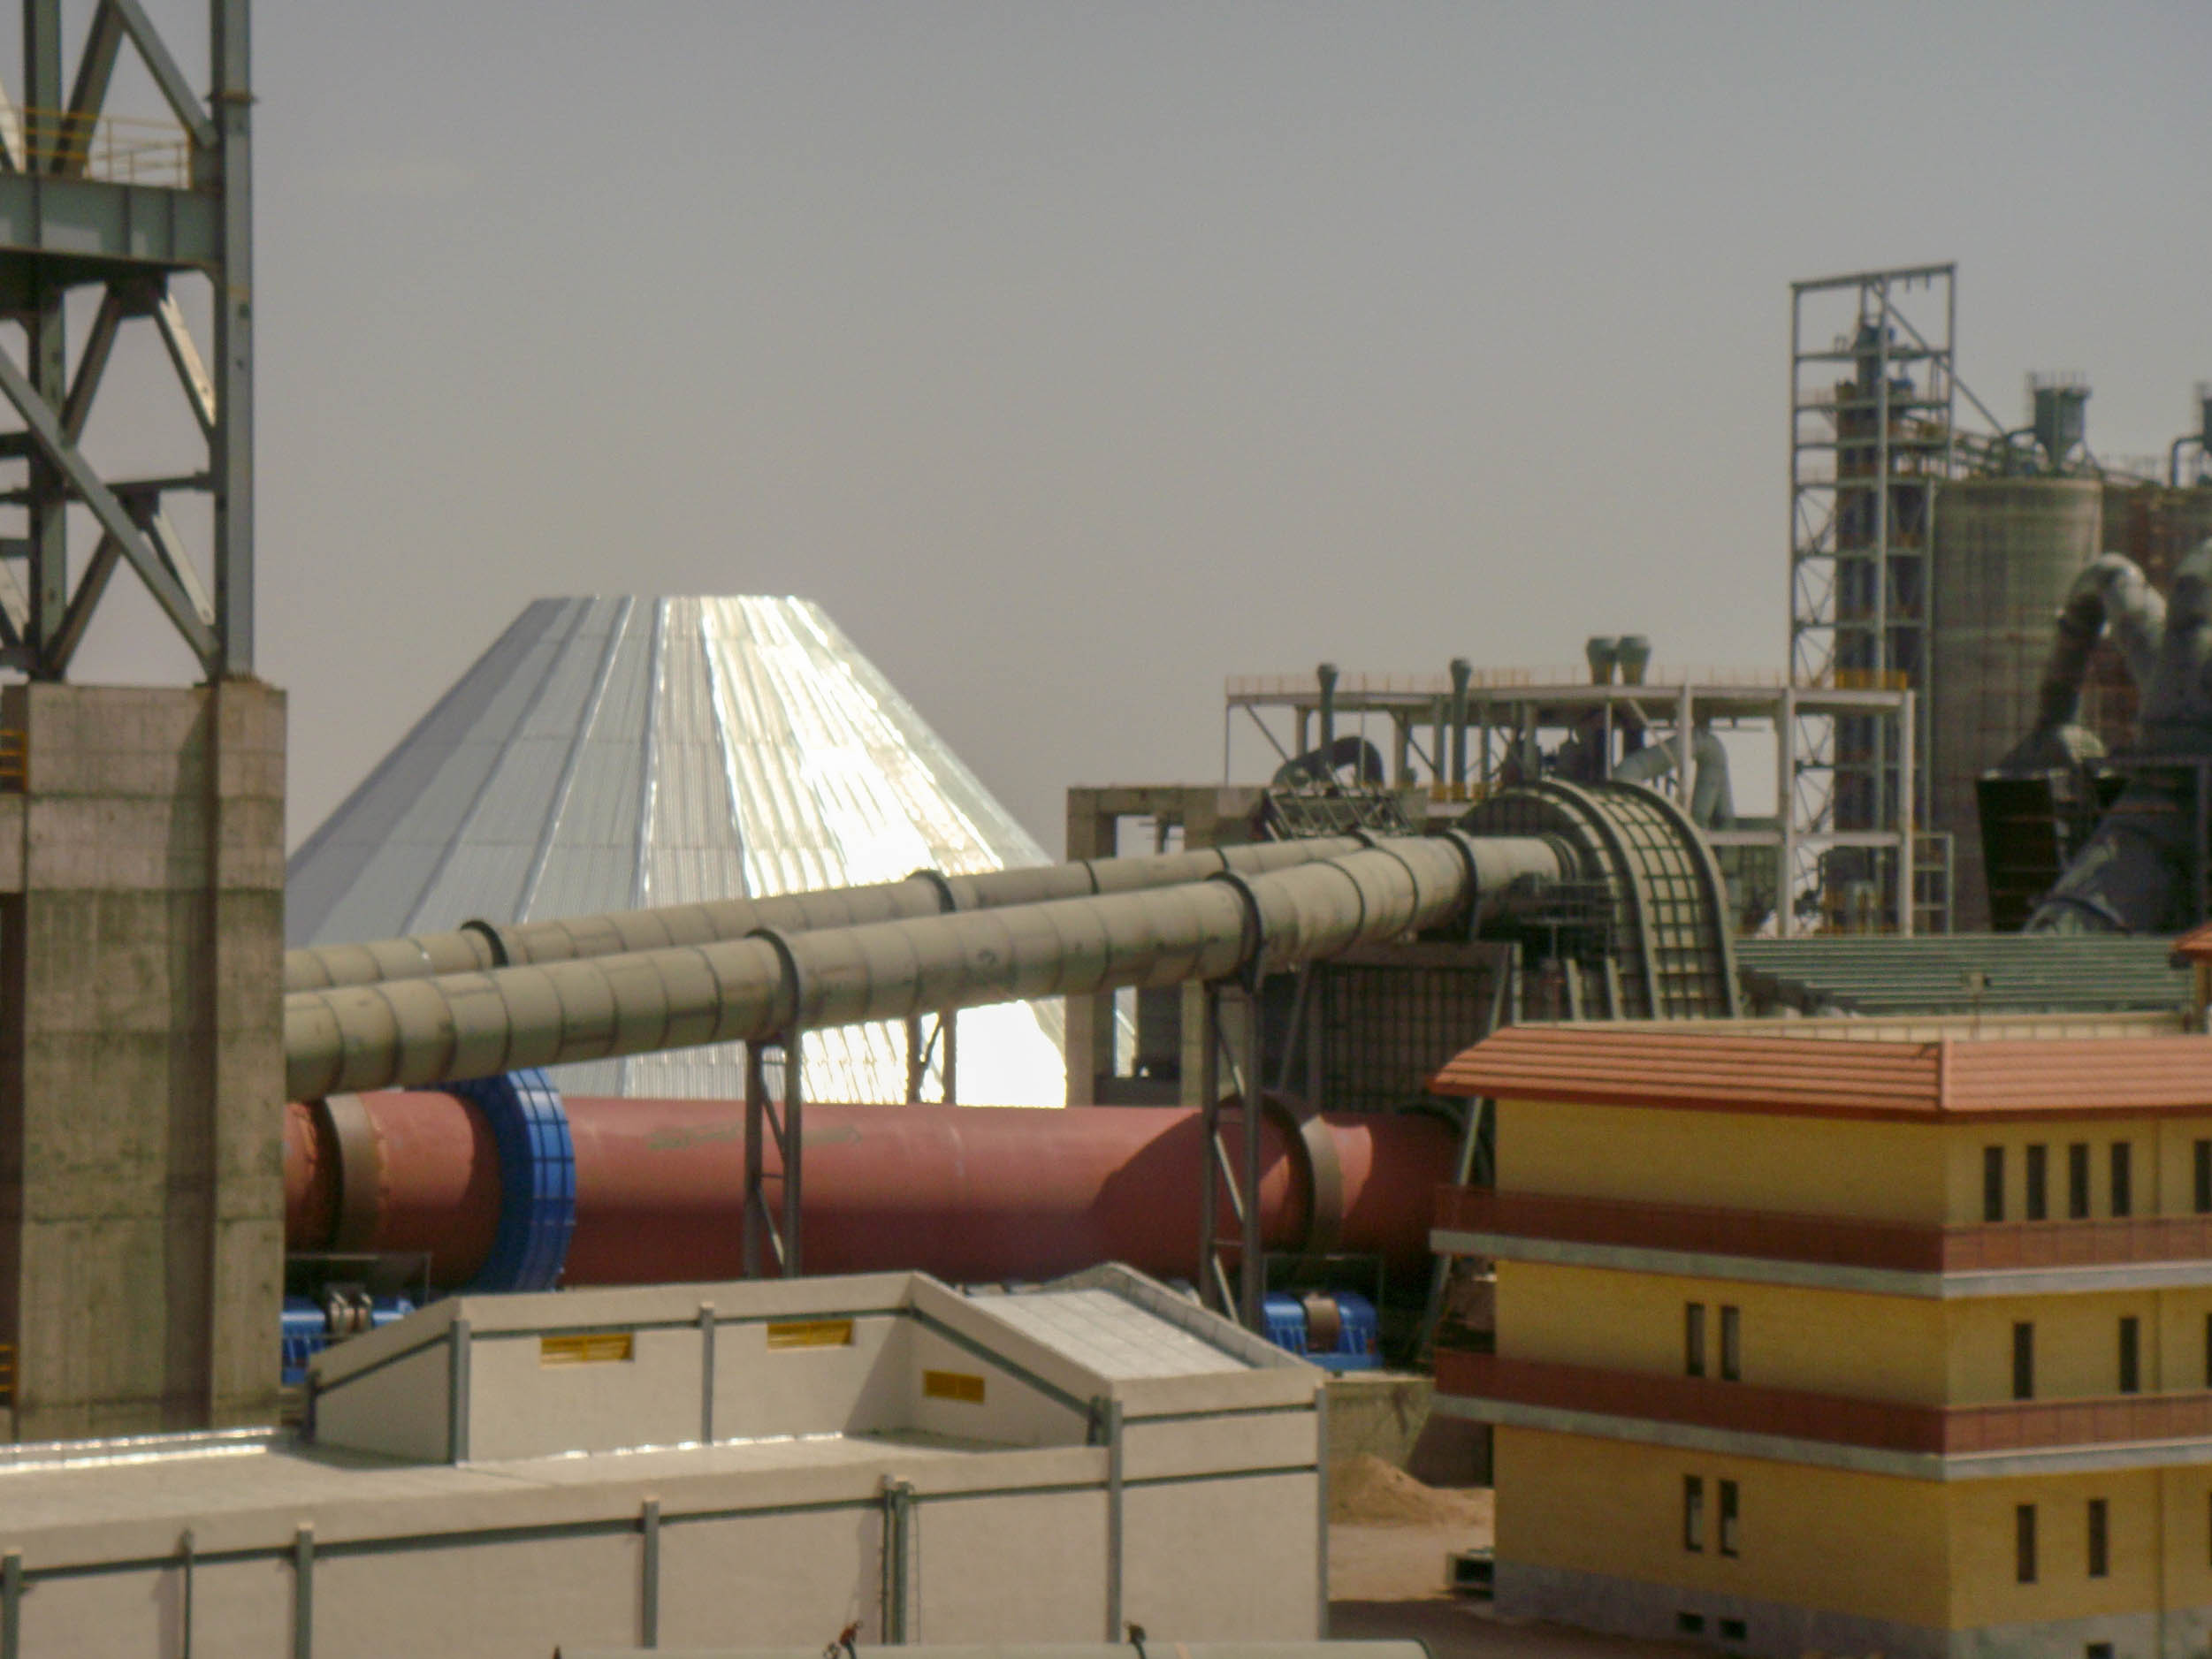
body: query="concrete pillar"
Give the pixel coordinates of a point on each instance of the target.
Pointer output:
(141, 1057)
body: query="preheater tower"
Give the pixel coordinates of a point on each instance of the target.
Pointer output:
(142, 836)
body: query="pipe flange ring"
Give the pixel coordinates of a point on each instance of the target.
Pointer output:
(345, 1121)
(1251, 968)
(537, 1179)
(489, 932)
(794, 981)
(1312, 1146)
(948, 900)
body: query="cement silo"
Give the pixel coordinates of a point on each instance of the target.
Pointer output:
(2005, 552)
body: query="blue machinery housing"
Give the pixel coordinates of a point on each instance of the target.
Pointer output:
(537, 1179)
(537, 1213)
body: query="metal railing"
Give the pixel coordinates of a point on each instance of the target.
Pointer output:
(1661, 677)
(1303, 687)
(114, 148)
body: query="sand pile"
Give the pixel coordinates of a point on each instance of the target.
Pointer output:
(1367, 1491)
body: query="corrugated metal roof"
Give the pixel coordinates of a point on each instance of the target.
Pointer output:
(1929, 974)
(614, 752)
(1724, 1070)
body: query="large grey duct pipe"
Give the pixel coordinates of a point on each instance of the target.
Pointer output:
(2129, 877)
(411, 1031)
(478, 946)
(2110, 597)
(1712, 796)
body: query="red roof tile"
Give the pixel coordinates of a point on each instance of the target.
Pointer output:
(1722, 1070)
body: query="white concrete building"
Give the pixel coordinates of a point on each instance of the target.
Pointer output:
(706, 1466)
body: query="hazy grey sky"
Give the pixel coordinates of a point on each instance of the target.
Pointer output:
(1077, 356)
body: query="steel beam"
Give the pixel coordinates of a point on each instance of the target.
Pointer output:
(184, 103)
(69, 461)
(94, 228)
(62, 227)
(231, 445)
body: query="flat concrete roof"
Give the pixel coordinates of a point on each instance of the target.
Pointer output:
(868, 1391)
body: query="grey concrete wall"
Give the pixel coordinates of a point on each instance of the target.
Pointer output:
(141, 1061)
(1378, 1414)
(1011, 1546)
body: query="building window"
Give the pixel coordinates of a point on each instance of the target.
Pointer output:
(1731, 1344)
(2077, 1181)
(1728, 1518)
(2035, 1200)
(1993, 1183)
(2023, 1361)
(2123, 1179)
(1693, 1511)
(2131, 1354)
(2204, 1177)
(2024, 1543)
(1690, 1624)
(1735, 1630)
(2100, 1551)
(2097, 1650)
(1694, 1340)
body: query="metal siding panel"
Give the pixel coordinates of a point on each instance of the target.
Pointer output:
(384, 897)
(495, 845)
(592, 863)
(736, 745)
(830, 793)
(332, 860)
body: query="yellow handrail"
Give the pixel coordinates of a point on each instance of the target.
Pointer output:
(113, 148)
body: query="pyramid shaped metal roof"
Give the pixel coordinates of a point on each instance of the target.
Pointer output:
(609, 753)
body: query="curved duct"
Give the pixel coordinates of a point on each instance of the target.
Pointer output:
(478, 946)
(1650, 900)
(1711, 797)
(2131, 874)
(1321, 764)
(967, 1193)
(480, 1024)
(2110, 596)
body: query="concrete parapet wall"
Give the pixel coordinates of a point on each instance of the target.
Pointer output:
(1042, 1467)
(1379, 1414)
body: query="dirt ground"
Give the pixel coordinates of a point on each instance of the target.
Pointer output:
(1389, 1537)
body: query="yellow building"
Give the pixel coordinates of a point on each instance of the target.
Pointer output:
(1852, 1347)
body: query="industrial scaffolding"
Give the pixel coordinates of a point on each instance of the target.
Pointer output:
(1446, 741)
(1873, 434)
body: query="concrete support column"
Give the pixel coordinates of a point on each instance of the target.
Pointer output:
(141, 1057)
(1088, 1043)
